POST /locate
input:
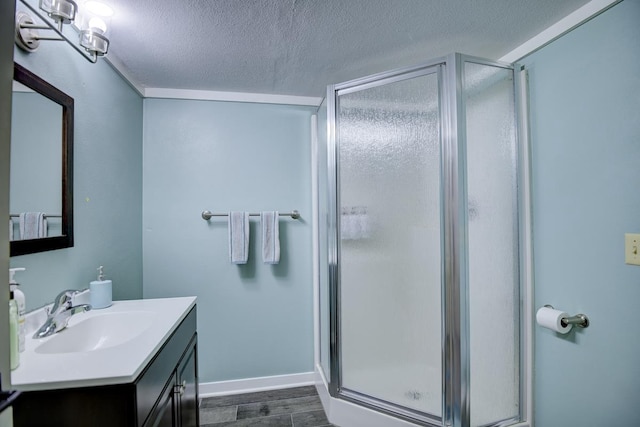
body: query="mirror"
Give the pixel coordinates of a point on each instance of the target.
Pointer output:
(41, 185)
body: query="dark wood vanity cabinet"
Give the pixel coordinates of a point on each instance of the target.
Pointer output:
(187, 380)
(178, 403)
(164, 394)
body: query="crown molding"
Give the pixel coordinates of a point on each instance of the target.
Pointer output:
(560, 28)
(210, 95)
(119, 68)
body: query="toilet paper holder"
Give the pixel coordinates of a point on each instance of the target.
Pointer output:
(579, 319)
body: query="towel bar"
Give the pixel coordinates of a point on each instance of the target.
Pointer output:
(206, 215)
(45, 215)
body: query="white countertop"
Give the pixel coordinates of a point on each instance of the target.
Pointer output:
(118, 364)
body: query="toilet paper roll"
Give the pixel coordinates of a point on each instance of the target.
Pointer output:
(551, 318)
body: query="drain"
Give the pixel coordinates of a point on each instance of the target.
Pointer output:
(413, 395)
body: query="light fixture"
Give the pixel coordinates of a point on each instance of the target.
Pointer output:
(93, 24)
(61, 11)
(93, 40)
(91, 20)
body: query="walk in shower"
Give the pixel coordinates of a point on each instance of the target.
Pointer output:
(422, 248)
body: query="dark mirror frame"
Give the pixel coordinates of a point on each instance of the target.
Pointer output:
(30, 246)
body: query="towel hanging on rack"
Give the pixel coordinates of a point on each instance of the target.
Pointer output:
(238, 237)
(33, 225)
(270, 237)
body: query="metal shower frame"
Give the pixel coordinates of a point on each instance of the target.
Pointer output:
(455, 322)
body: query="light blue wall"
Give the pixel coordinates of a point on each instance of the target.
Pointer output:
(107, 180)
(585, 126)
(253, 320)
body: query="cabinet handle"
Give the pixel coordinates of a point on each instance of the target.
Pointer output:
(180, 388)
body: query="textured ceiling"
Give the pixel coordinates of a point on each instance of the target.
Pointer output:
(297, 47)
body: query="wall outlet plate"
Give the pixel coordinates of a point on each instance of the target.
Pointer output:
(632, 248)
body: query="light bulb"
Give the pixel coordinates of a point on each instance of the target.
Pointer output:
(98, 25)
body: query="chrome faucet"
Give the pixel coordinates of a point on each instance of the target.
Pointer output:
(59, 315)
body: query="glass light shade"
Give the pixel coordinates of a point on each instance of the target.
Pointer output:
(93, 40)
(60, 10)
(94, 27)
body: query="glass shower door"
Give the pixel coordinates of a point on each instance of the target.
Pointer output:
(492, 243)
(389, 242)
(425, 248)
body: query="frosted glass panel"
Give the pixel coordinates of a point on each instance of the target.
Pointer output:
(493, 243)
(390, 262)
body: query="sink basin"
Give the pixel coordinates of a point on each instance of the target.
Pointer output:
(100, 347)
(97, 332)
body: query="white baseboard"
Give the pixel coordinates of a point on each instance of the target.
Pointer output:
(251, 385)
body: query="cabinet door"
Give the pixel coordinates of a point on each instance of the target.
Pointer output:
(187, 373)
(164, 414)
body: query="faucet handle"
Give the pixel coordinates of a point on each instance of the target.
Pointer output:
(64, 300)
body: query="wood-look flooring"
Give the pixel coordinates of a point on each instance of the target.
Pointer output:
(292, 407)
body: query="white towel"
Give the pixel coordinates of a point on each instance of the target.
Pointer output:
(355, 223)
(33, 225)
(238, 237)
(270, 237)
(10, 229)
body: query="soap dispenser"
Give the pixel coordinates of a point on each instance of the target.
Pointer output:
(100, 291)
(14, 351)
(18, 296)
